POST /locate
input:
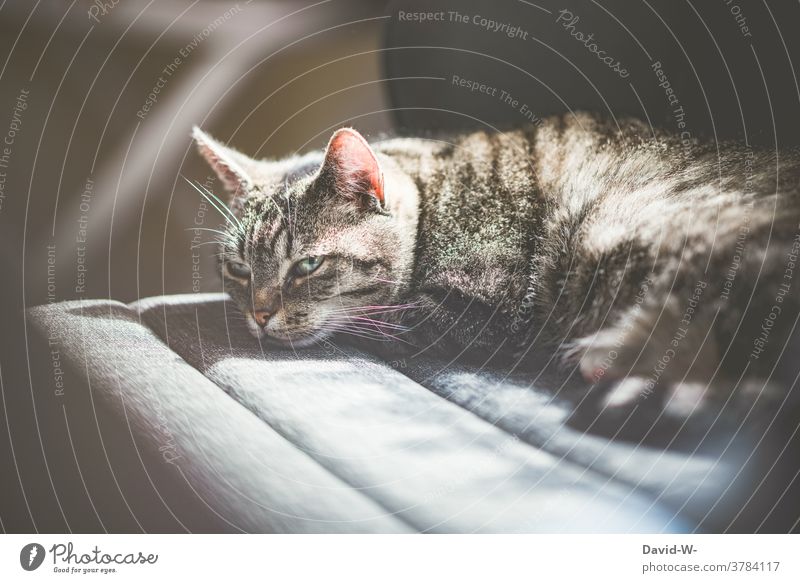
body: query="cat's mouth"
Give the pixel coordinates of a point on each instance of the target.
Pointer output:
(282, 338)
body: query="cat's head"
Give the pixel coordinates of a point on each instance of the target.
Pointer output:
(315, 244)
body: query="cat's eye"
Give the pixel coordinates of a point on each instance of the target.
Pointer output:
(308, 265)
(238, 269)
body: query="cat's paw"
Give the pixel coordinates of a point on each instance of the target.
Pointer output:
(678, 400)
(638, 409)
(604, 358)
(650, 342)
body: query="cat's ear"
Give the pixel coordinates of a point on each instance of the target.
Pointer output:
(353, 167)
(230, 166)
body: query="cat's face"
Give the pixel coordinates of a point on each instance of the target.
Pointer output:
(309, 247)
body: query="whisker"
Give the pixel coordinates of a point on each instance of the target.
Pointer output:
(391, 281)
(378, 323)
(350, 326)
(220, 207)
(224, 206)
(358, 334)
(195, 245)
(389, 307)
(375, 334)
(371, 311)
(217, 231)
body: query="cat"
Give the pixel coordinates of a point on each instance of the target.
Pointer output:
(657, 267)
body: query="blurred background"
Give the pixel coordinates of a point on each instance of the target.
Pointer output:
(112, 89)
(105, 136)
(97, 101)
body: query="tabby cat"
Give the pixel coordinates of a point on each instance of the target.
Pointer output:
(657, 268)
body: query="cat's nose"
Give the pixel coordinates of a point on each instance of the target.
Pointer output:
(262, 317)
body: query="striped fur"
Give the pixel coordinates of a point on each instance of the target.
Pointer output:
(581, 240)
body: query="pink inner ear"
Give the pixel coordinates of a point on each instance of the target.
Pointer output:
(354, 160)
(229, 177)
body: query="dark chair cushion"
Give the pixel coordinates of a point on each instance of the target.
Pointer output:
(729, 68)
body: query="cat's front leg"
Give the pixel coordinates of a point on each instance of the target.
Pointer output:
(663, 352)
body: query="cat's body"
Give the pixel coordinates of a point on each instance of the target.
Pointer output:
(646, 261)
